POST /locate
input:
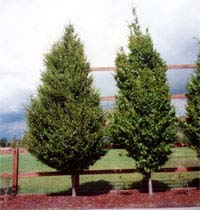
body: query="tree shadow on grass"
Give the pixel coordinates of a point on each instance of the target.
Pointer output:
(89, 189)
(6, 190)
(95, 188)
(142, 186)
(194, 183)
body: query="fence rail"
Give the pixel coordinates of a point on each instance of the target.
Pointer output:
(102, 171)
(97, 172)
(173, 96)
(171, 67)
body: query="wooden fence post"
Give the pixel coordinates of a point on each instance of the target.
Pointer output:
(15, 171)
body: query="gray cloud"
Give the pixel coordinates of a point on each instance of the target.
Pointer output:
(9, 130)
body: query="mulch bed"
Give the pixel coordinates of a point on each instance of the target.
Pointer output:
(113, 199)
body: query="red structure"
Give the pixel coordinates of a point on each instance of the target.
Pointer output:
(170, 67)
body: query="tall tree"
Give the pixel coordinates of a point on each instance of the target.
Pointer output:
(143, 120)
(65, 121)
(192, 126)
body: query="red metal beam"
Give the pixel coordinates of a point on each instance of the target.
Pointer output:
(172, 66)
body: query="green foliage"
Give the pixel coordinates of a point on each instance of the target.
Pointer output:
(192, 126)
(143, 120)
(4, 142)
(16, 143)
(65, 120)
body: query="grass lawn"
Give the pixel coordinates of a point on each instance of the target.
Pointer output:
(114, 159)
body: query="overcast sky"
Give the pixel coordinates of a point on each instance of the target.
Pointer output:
(30, 27)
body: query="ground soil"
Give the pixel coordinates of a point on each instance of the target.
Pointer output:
(112, 199)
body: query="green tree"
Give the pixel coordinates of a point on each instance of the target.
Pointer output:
(65, 120)
(143, 120)
(192, 126)
(4, 142)
(14, 143)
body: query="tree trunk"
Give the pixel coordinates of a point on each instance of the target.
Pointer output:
(150, 185)
(75, 184)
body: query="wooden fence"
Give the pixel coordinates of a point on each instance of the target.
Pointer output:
(15, 175)
(170, 67)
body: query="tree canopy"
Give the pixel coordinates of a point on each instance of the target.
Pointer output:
(65, 120)
(143, 119)
(192, 127)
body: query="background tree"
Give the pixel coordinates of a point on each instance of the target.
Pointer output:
(16, 143)
(65, 120)
(4, 142)
(192, 126)
(143, 120)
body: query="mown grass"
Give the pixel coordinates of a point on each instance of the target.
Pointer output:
(114, 159)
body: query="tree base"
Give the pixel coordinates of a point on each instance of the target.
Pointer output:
(75, 184)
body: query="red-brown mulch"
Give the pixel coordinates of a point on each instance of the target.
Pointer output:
(113, 199)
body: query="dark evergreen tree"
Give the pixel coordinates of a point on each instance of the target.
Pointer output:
(143, 120)
(4, 142)
(65, 120)
(192, 126)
